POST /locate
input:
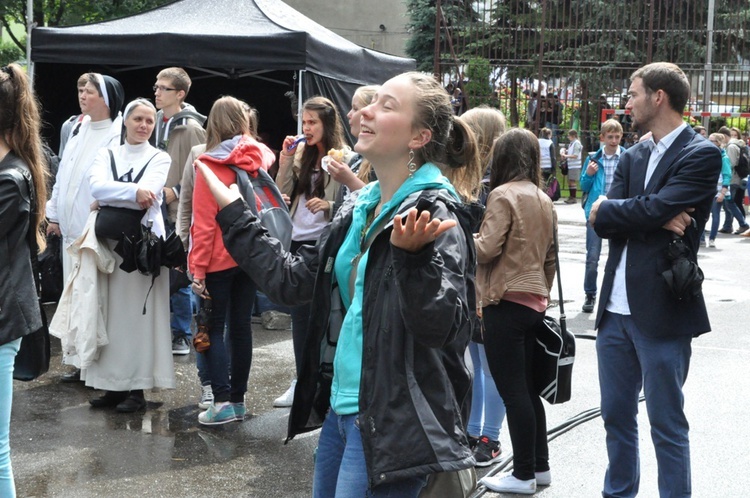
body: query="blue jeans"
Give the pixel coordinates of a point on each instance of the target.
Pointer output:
(715, 215)
(182, 312)
(487, 407)
(629, 360)
(732, 210)
(233, 293)
(340, 469)
(7, 359)
(593, 250)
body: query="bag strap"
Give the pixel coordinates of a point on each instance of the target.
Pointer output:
(113, 167)
(245, 187)
(563, 320)
(140, 173)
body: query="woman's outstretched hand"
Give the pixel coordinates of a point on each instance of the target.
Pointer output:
(413, 233)
(224, 195)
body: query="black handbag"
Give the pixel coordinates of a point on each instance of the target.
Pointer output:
(33, 357)
(554, 351)
(116, 222)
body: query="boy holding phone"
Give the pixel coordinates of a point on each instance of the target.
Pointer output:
(595, 182)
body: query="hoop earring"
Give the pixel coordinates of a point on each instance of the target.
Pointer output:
(411, 166)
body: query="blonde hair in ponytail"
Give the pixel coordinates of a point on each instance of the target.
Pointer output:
(19, 126)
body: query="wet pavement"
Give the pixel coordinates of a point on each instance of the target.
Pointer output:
(61, 447)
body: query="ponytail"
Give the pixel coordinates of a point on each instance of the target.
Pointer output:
(464, 166)
(19, 126)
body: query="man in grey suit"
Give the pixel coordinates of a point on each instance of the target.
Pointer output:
(662, 191)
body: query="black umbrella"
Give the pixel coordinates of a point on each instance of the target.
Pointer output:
(684, 277)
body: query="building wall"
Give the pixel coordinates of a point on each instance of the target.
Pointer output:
(360, 21)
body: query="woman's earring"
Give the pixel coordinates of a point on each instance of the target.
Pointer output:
(410, 165)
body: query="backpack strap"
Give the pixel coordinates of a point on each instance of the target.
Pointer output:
(246, 188)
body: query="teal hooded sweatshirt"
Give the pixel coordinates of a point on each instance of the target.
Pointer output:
(347, 362)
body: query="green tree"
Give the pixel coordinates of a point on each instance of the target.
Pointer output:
(68, 12)
(458, 16)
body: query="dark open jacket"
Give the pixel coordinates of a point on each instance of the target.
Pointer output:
(19, 306)
(415, 389)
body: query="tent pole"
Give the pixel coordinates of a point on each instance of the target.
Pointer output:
(29, 27)
(299, 103)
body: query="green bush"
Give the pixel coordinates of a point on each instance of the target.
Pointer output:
(478, 89)
(9, 52)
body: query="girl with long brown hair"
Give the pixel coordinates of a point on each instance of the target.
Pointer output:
(312, 193)
(22, 196)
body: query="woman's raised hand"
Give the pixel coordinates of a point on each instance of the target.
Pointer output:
(288, 142)
(343, 174)
(415, 232)
(224, 195)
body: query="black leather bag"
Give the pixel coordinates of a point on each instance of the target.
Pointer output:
(33, 357)
(115, 223)
(554, 354)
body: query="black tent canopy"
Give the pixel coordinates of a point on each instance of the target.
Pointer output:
(230, 39)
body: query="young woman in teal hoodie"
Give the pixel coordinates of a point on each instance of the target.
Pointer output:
(391, 285)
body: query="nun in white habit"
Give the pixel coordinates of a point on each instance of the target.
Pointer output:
(139, 353)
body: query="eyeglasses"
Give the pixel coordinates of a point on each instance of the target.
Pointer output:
(159, 88)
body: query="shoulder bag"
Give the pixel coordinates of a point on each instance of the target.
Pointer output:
(554, 351)
(116, 222)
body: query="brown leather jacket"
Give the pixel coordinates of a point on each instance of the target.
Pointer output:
(515, 251)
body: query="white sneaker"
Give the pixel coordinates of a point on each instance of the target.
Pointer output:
(285, 400)
(207, 397)
(507, 483)
(543, 478)
(711, 243)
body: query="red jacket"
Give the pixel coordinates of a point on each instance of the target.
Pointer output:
(207, 252)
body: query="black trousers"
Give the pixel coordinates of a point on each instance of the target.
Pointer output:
(509, 344)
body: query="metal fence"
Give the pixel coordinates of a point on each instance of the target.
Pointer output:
(562, 62)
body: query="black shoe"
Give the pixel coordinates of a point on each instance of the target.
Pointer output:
(588, 304)
(472, 442)
(741, 230)
(74, 376)
(487, 452)
(110, 398)
(180, 345)
(131, 404)
(725, 230)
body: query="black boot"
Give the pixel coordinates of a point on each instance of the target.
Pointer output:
(588, 304)
(110, 398)
(134, 402)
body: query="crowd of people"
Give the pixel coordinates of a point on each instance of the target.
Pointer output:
(431, 236)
